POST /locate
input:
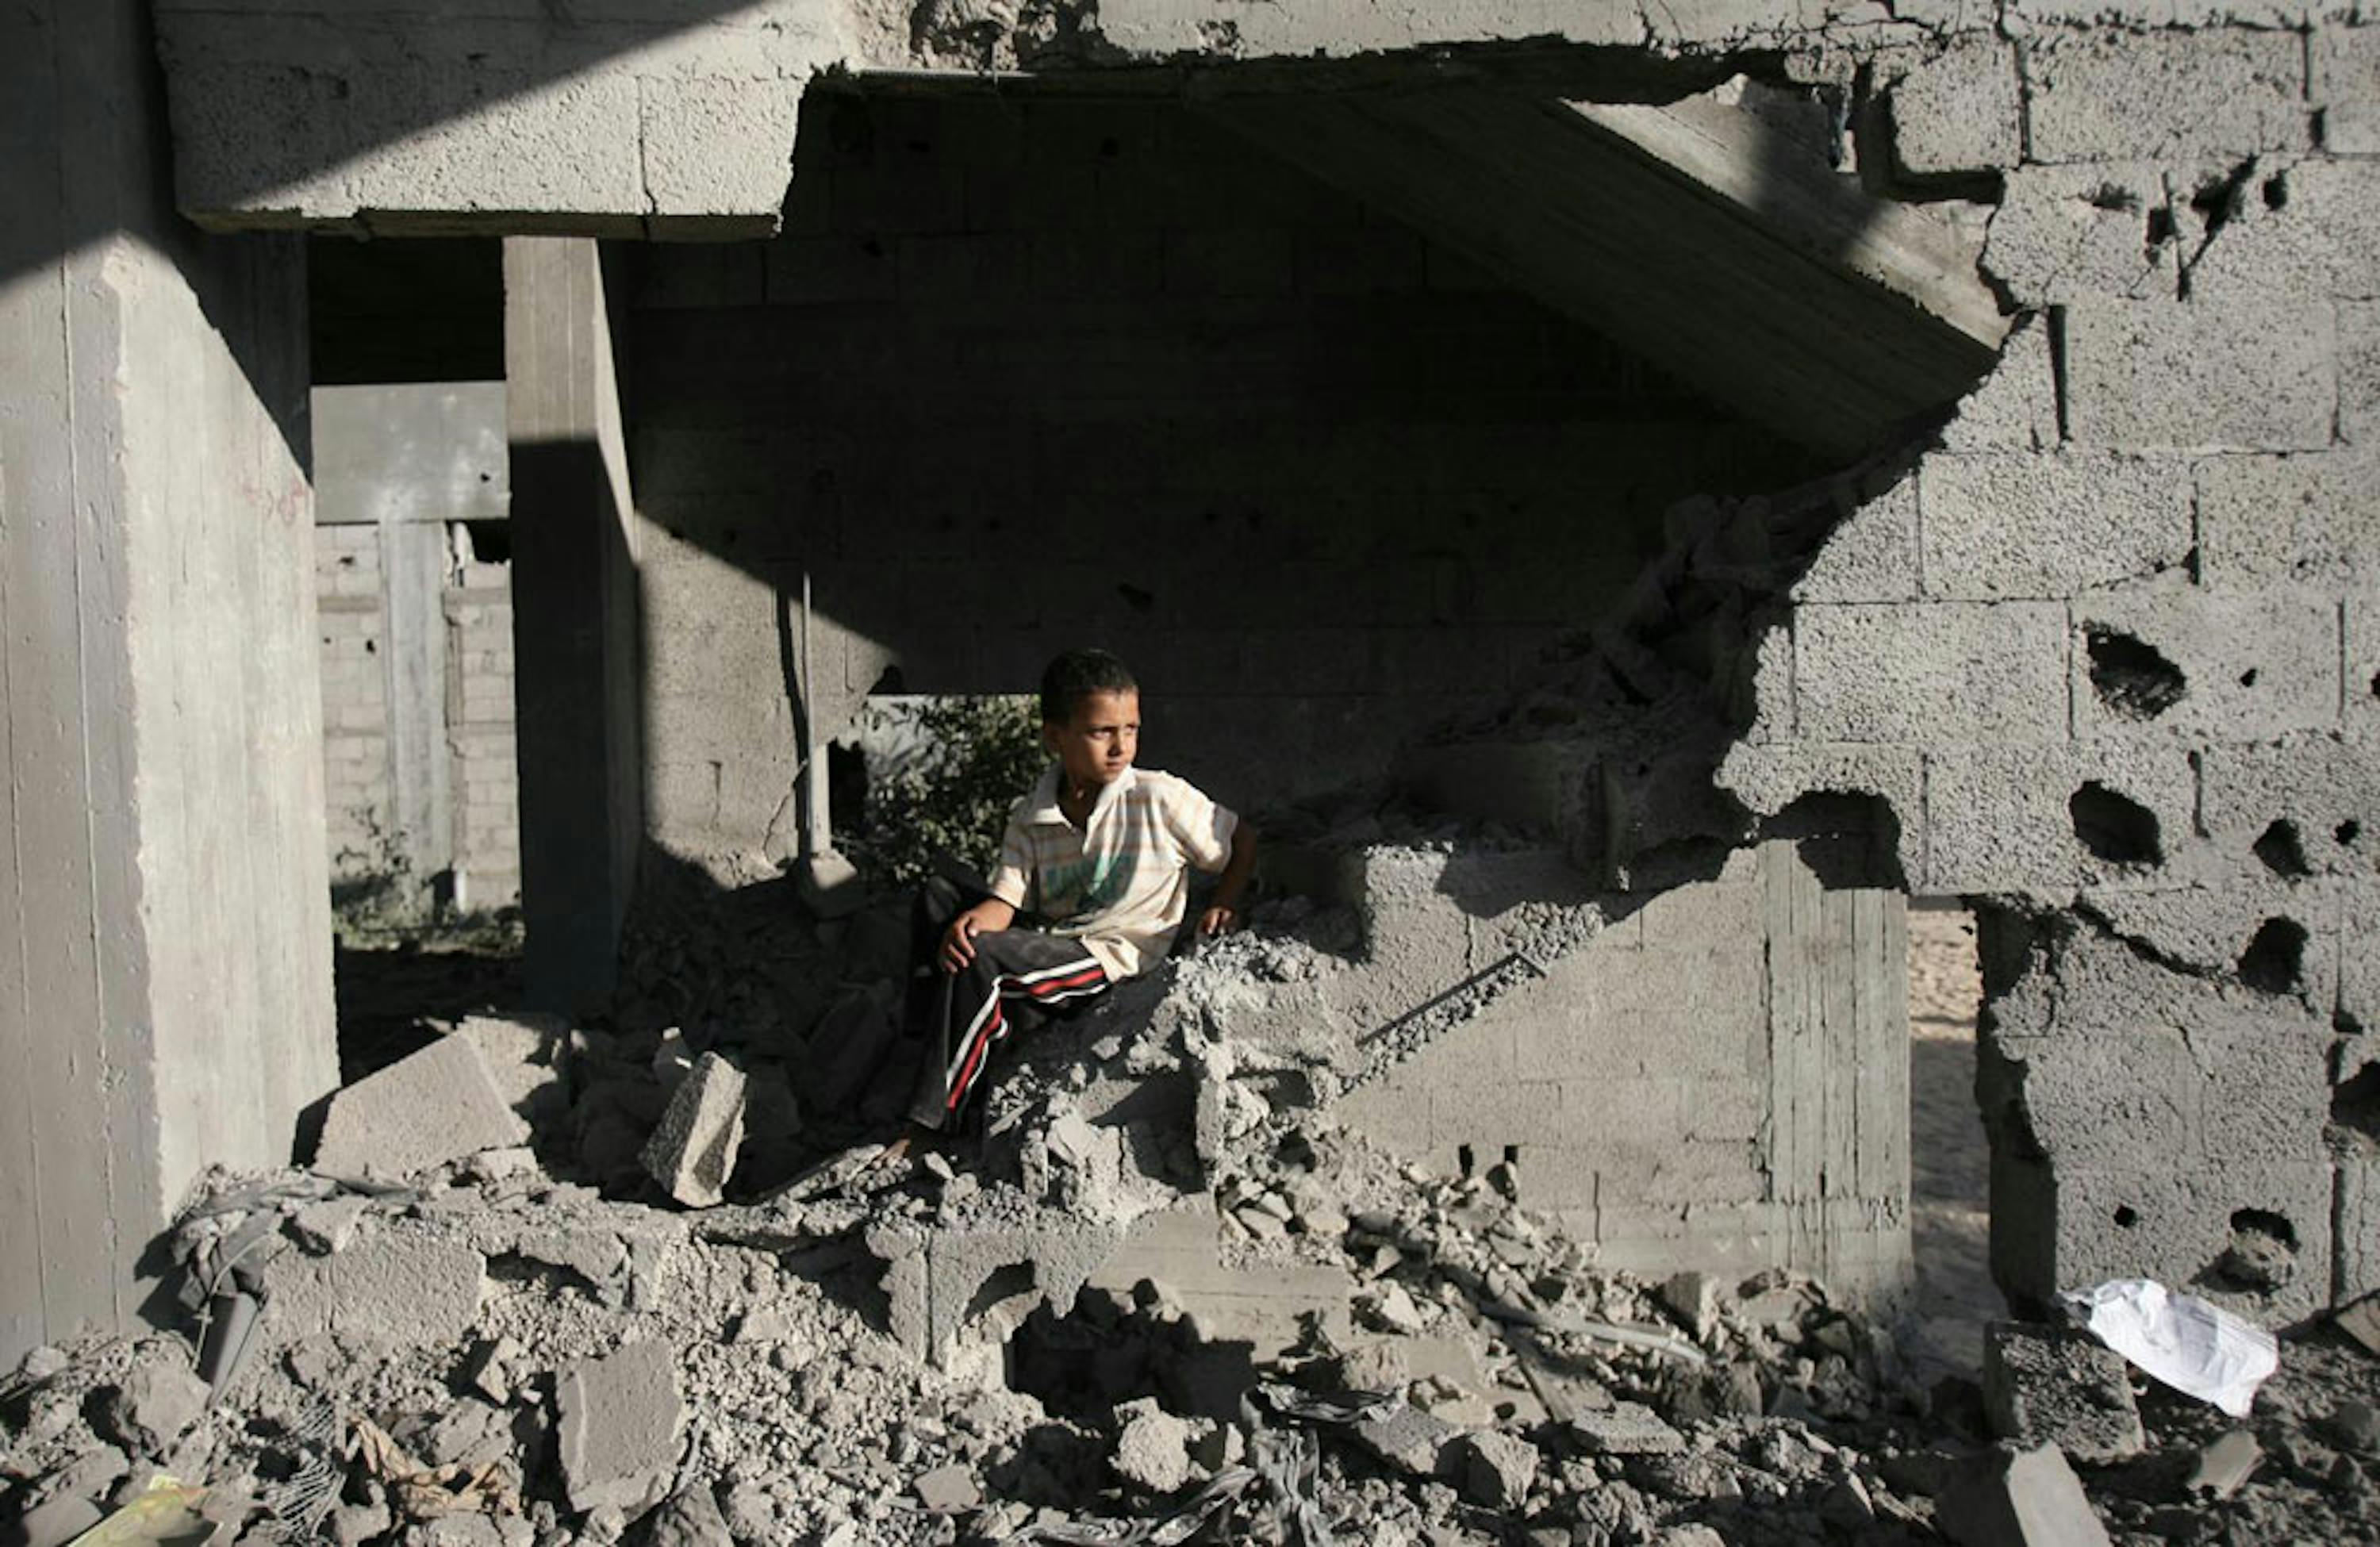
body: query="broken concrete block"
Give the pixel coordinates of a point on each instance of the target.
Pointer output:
(694, 1150)
(399, 1288)
(2355, 1425)
(2058, 1386)
(54, 1522)
(1409, 1439)
(440, 1104)
(2007, 1497)
(2224, 1465)
(469, 1431)
(520, 1050)
(159, 1399)
(1391, 1308)
(498, 1165)
(329, 1225)
(619, 1420)
(489, 1370)
(1496, 1470)
(1626, 1429)
(947, 1490)
(2362, 1321)
(689, 1517)
(1152, 1447)
(1694, 1300)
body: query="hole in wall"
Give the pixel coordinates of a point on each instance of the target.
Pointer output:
(1950, 1167)
(1010, 1280)
(1115, 1348)
(2125, 1216)
(2262, 1256)
(2276, 192)
(486, 541)
(2282, 851)
(2248, 677)
(2275, 960)
(2114, 827)
(2347, 832)
(2355, 1102)
(2131, 677)
(2218, 199)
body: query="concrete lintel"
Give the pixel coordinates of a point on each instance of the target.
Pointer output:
(1739, 302)
(411, 451)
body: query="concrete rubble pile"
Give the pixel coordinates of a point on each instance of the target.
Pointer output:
(1163, 1293)
(552, 1282)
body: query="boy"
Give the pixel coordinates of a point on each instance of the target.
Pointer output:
(1100, 852)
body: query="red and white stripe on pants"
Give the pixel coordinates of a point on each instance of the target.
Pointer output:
(1049, 985)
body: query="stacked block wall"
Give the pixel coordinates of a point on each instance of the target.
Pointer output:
(478, 714)
(2109, 650)
(1718, 1080)
(1023, 374)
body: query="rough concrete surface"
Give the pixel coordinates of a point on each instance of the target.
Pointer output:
(440, 1104)
(695, 1147)
(616, 1426)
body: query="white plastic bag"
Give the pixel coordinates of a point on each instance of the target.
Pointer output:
(2195, 1347)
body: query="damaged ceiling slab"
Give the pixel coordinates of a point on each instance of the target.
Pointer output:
(1706, 235)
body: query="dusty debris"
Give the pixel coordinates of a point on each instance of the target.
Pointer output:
(2007, 1497)
(1152, 1446)
(2059, 1386)
(159, 1399)
(2362, 1321)
(1495, 1470)
(2223, 1465)
(1626, 1429)
(1164, 1290)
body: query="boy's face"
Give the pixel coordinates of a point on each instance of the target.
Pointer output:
(1098, 742)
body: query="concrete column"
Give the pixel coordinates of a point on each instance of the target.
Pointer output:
(164, 912)
(575, 620)
(413, 584)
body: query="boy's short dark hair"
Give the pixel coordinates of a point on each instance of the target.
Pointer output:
(1076, 675)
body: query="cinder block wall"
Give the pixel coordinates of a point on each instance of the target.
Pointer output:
(356, 790)
(484, 810)
(1720, 1080)
(1027, 373)
(2111, 655)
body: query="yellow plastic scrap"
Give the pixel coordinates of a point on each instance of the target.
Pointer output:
(167, 1511)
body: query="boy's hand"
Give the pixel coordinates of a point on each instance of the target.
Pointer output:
(958, 940)
(1218, 920)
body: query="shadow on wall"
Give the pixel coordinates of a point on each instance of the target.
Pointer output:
(1025, 371)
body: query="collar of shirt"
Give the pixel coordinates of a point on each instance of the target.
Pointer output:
(1044, 810)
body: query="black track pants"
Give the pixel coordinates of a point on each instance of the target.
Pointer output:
(1015, 975)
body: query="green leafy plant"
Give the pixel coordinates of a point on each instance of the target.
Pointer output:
(969, 759)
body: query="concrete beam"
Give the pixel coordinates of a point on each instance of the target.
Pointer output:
(575, 620)
(1690, 236)
(407, 118)
(410, 451)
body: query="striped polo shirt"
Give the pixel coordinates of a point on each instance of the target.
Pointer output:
(1121, 882)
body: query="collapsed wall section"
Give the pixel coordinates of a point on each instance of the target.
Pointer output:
(1719, 1079)
(2103, 657)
